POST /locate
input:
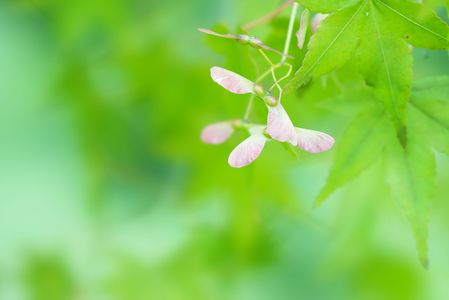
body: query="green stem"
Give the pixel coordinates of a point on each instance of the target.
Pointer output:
(268, 17)
(273, 67)
(290, 31)
(251, 98)
(289, 72)
(248, 108)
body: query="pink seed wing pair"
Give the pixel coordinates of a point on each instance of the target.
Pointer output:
(279, 125)
(223, 35)
(280, 128)
(251, 148)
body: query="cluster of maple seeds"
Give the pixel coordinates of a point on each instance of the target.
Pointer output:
(279, 126)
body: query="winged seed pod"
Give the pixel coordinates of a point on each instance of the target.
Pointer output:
(218, 133)
(250, 149)
(316, 21)
(303, 26)
(243, 39)
(279, 125)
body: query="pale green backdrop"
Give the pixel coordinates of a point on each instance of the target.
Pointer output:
(106, 191)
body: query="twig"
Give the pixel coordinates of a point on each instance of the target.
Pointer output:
(273, 67)
(247, 27)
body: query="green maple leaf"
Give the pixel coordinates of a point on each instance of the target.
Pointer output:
(447, 6)
(416, 23)
(362, 143)
(410, 170)
(326, 6)
(411, 178)
(375, 32)
(332, 45)
(385, 61)
(430, 100)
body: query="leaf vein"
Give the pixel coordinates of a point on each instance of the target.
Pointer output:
(387, 68)
(317, 61)
(432, 118)
(413, 21)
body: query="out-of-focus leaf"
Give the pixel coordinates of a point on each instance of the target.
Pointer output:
(447, 6)
(432, 88)
(411, 171)
(326, 6)
(237, 56)
(430, 99)
(276, 39)
(49, 279)
(291, 150)
(411, 177)
(361, 145)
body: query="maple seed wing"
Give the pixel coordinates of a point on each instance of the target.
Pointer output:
(255, 42)
(247, 151)
(279, 125)
(258, 44)
(316, 21)
(303, 26)
(313, 141)
(223, 35)
(217, 133)
(231, 81)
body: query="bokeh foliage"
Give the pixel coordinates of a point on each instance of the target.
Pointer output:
(107, 192)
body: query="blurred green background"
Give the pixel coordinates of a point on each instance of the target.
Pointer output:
(106, 191)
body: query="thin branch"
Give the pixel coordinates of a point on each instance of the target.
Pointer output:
(248, 108)
(251, 99)
(247, 27)
(273, 67)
